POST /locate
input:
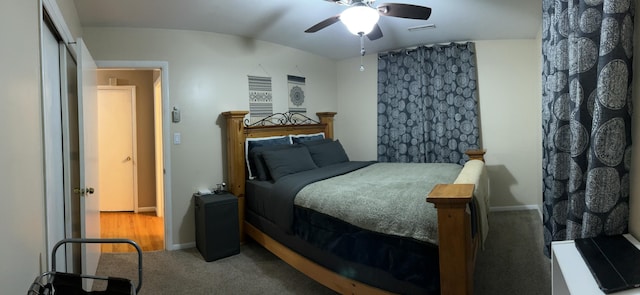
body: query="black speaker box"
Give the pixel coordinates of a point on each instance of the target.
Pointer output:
(217, 230)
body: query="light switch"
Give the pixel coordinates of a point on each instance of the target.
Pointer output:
(176, 138)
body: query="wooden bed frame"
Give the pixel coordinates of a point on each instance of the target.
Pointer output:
(457, 250)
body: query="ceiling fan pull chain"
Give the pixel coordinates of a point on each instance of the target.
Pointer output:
(362, 52)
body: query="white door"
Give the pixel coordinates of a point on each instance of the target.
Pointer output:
(117, 139)
(89, 189)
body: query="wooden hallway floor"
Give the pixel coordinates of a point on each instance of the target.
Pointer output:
(146, 229)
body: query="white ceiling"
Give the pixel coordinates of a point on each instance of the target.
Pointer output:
(284, 21)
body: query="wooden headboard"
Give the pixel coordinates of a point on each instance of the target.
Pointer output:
(238, 129)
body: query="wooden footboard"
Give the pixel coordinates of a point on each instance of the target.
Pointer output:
(457, 248)
(320, 274)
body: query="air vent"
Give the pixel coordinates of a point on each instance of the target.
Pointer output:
(423, 27)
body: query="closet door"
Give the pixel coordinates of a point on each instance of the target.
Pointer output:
(53, 141)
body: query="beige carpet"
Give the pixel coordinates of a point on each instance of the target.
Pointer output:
(512, 263)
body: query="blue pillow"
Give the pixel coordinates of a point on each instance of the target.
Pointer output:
(328, 153)
(301, 138)
(289, 161)
(316, 141)
(255, 155)
(251, 143)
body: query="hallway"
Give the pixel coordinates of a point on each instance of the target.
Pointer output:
(146, 229)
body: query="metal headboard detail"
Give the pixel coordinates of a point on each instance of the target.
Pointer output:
(276, 119)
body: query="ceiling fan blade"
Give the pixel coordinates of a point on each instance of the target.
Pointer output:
(375, 34)
(404, 10)
(323, 24)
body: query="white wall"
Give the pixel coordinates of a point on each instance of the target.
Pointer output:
(357, 118)
(509, 82)
(207, 76)
(22, 250)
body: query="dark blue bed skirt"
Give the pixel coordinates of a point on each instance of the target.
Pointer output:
(398, 265)
(406, 259)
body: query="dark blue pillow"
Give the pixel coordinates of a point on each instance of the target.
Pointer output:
(289, 161)
(252, 143)
(316, 141)
(328, 153)
(301, 138)
(261, 169)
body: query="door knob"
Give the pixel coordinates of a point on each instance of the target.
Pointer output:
(83, 191)
(128, 159)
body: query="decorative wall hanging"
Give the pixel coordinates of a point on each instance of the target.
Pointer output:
(260, 98)
(297, 99)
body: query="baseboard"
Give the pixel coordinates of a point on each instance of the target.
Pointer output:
(146, 209)
(514, 208)
(517, 208)
(183, 246)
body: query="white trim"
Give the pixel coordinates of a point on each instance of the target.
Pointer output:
(183, 246)
(517, 208)
(166, 115)
(514, 208)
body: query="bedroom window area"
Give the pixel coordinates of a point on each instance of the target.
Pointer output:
(428, 104)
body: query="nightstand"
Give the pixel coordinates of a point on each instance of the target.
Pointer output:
(217, 230)
(570, 274)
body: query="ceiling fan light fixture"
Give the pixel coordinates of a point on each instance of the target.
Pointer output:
(359, 19)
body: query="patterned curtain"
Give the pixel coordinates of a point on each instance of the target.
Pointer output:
(428, 104)
(586, 117)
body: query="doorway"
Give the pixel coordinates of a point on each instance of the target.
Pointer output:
(144, 221)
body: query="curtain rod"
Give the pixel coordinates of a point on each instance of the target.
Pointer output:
(414, 48)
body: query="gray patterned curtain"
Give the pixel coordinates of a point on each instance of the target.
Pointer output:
(586, 117)
(428, 104)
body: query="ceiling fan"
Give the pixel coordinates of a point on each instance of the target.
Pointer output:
(361, 18)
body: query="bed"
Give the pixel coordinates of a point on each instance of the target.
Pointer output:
(345, 255)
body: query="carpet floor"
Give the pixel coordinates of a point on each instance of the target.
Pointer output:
(511, 263)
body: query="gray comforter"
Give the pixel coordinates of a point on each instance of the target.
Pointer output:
(388, 198)
(284, 191)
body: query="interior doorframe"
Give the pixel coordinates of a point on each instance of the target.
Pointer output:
(164, 69)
